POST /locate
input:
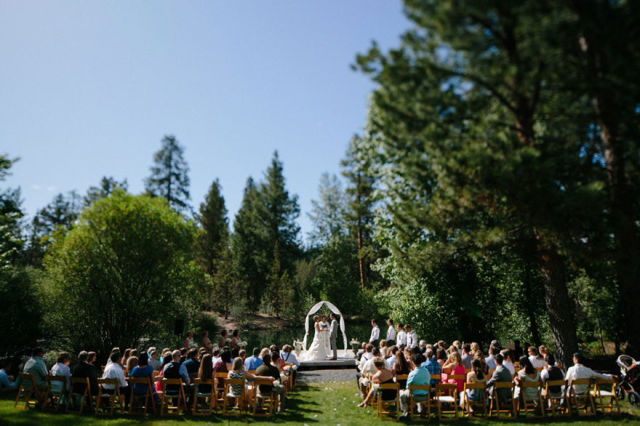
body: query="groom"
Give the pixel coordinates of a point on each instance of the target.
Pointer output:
(333, 335)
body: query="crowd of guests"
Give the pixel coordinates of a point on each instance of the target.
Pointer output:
(383, 363)
(186, 363)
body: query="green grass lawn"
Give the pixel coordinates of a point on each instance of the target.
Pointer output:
(318, 403)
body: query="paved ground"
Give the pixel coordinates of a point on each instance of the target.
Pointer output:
(342, 375)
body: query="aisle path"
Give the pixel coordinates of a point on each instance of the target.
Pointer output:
(313, 376)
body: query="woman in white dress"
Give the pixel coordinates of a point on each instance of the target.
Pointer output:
(318, 348)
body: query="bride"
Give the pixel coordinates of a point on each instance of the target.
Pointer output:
(318, 349)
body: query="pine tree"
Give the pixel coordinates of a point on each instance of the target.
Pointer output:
(225, 291)
(107, 185)
(213, 237)
(170, 175)
(328, 213)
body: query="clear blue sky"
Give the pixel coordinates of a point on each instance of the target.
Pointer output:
(89, 88)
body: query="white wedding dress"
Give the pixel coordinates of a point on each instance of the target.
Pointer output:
(319, 349)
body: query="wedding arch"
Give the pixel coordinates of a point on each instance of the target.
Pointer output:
(315, 309)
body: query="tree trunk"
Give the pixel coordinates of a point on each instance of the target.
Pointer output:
(359, 232)
(558, 302)
(531, 308)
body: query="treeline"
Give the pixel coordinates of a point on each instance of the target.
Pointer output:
(110, 268)
(503, 139)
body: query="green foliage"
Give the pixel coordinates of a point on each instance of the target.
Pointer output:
(124, 272)
(170, 175)
(214, 236)
(107, 185)
(21, 312)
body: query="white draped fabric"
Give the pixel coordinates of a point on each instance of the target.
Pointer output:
(315, 309)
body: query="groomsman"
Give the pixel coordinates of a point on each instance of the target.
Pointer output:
(375, 333)
(412, 337)
(402, 336)
(391, 333)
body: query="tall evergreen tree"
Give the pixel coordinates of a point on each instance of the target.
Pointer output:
(328, 213)
(213, 237)
(107, 185)
(170, 175)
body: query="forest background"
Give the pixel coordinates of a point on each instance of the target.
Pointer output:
(493, 194)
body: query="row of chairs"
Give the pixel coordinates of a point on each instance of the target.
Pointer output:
(599, 394)
(206, 397)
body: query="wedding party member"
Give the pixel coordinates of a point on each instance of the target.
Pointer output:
(391, 333)
(235, 340)
(412, 337)
(222, 342)
(417, 376)
(253, 362)
(382, 376)
(333, 335)
(189, 342)
(401, 337)
(319, 349)
(375, 333)
(206, 342)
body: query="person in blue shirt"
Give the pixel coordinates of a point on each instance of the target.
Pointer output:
(417, 376)
(253, 362)
(5, 383)
(431, 365)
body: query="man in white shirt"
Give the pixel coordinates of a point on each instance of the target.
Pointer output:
(375, 333)
(402, 336)
(536, 360)
(392, 359)
(114, 371)
(412, 337)
(391, 333)
(579, 371)
(507, 355)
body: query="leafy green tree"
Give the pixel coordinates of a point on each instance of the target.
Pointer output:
(107, 185)
(124, 272)
(226, 291)
(214, 236)
(170, 175)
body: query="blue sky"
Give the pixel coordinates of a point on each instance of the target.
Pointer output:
(89, 88)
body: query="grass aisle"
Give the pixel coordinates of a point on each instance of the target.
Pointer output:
(316, 403)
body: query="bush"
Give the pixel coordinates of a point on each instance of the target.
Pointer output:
(20, 314)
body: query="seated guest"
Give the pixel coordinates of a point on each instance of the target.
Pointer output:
(507, 356)
(176, 370)
(143, 370)
(431, 365)
(501, 375)
(191, 364)
(552, 372)
(288, 356)
(114, 371)
(579, 371)
(536, 360)
(382, 376)
(543, 351)
(417, 376)
(441, 356)
(466, 356)
(225, 364)
(253, 362)
(242, 354)
(113, 350)
(132, 363)
(267, 369)
(401, 366)
(206, 373)
(61, 368)
(216, 356)
(125, 356)
(366, 368)
(455, 364)
(393, 351)
(491, 364)
(238, 372)
(166, 359)
(154, 362)
(476, 375)
(235, 353)
(527, 374)
(276, 360)
(36, 366)
(6, 383)
(361, 352)
(84, 369)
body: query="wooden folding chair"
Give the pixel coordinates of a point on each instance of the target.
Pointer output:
(495, 407)
(56, 391)
(600, 394)
(385, 411)
(264, 404)
(203, 394)
(218, 379)
(581, 401)
(112, 398)
(238, 402)
(291, 376)
(414, 400)
(79, 395)
(446, 394)
(525, 405)
(469, 406)
(146, 398)
(554, 402)
(26, 390)
(173, 401)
